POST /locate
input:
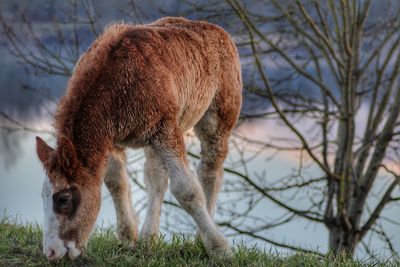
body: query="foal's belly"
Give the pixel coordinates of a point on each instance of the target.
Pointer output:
(190, 117)
(194, 105)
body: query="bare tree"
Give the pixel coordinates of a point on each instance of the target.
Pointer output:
(339, 62)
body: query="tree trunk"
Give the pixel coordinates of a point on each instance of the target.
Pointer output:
(342, 241)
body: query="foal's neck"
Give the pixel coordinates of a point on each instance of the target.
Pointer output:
(92, 147)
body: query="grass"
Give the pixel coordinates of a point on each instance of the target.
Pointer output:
(21, 246)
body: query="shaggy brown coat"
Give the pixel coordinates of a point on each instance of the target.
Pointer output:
(134, 80)
(139, 86)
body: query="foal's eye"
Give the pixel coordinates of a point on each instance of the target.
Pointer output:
(62, 199)
(66, 201)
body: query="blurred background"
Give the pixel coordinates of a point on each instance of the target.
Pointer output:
(314, 161)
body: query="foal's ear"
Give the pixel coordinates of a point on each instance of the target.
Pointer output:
(67, 156)
(43, 150)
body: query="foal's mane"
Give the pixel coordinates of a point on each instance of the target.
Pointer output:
(86, 72)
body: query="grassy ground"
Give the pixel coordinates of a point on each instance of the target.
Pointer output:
(21, 246)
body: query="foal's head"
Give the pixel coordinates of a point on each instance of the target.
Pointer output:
(71, 200)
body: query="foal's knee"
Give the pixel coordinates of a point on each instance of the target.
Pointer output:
(187, 191)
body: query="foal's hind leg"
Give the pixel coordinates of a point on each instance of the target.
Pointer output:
(213, 130)
(156, 180)
(214, 148)
(187, 190)
(116, 180)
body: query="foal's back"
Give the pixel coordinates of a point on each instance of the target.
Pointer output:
(134, 79)
(204, 63)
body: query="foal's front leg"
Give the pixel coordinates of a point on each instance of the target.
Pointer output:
(116, 180)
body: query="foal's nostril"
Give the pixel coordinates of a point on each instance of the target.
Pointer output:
(55, 251)
(51, 255)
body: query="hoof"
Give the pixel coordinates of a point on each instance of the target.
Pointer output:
(225, 252)
(149, 238)
(218, 248)
(128, 236)
(128, 242)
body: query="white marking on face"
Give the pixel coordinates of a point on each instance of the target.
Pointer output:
(73, 251)
(53, 246)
